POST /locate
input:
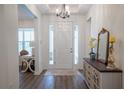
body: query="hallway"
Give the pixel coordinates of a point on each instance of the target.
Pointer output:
(86, 36)
(29, 81)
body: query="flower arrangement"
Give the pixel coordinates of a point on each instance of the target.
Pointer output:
(92, 45)
(112, 40)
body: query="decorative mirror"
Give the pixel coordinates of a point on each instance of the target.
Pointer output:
(103, 46)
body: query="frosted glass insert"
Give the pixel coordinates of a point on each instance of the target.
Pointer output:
(76, 31)
(51, 46)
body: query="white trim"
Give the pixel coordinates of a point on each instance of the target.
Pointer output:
(37, 73)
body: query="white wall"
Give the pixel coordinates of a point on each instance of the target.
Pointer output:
(112, 18)
(87, 36)
(26, 23)
(3, 63)
(38, 46)
(9, 69)
(9, 76)
(51, 19)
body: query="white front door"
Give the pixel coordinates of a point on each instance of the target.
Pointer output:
(63, 50)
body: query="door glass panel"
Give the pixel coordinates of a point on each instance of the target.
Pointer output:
(76, 31)
(51, 47)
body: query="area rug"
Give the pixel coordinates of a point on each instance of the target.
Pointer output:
(61, 72)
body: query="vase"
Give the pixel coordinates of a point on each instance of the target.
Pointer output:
(92, 55)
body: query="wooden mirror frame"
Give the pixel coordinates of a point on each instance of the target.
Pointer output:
(107, 46)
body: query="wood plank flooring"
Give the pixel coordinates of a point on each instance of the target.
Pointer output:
(29, 81)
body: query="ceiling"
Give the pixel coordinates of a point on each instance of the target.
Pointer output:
(24, 13)
(74, 8)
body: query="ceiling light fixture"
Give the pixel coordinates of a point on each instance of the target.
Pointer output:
(64, 12)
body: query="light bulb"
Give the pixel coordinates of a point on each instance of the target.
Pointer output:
(67, 8)
(57, 11)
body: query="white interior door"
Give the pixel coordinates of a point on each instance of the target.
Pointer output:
(63, 50)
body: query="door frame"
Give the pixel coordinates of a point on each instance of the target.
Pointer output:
(53, 66)
(36, 37)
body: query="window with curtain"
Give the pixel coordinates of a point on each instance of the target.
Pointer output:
(25, 37)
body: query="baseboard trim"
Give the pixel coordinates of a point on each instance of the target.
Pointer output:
(37, 72)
